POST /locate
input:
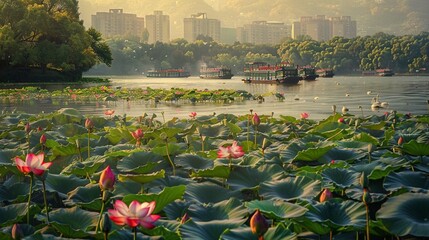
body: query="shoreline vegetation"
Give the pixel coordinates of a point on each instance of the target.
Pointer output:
(349, 177)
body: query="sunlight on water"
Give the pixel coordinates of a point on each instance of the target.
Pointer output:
(404, 94)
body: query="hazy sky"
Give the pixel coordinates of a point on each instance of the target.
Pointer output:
(391, 16)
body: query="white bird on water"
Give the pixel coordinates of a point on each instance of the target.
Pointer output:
(376, 104)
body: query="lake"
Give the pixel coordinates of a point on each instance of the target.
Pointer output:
(406, 94)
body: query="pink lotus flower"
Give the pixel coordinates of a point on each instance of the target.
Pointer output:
(109, 112)
(33, 164)
(400, 140)
(304, 115)
(233, 151)
(137, 134)
(256, 120)
(27, 128)
(107, 179)
(134, 215)
(192, 114)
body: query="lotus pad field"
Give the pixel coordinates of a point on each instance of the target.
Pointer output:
(345, 177)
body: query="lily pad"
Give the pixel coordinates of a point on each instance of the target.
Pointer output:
(290, 188)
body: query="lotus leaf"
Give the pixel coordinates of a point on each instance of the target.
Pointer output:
(290, 188)
(218, 171)
(207, 230)
(231, 209)
(191, 161)
(142, 178)
(249, 178)
(277, 209)
(206, 192)
(165, 197)
(12, 213)
(72, 222)
(412, 181)
(64, 184)
(415, 148)
(273, 233)
(406, 214)
(139, 162)
(342, 178)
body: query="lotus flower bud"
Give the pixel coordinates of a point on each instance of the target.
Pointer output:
(107, 179)
(341, 120)
(89, 124)
(184, 218)
(326, 195)
(43, 139)
(258, 224)
(366, 197)
(256, 120)
(17, 232)
(400, 140)
(27, 128)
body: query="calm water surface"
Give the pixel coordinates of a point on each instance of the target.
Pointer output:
(404, 94)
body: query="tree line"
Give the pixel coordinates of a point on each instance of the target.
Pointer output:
(45, 38)
(408, 53)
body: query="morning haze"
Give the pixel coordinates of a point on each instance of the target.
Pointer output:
(396, 17)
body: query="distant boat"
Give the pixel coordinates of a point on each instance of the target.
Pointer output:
(325, 72)
(384, 72)
(168, 73)
(307, 73)
(261, 72)
(216, 73)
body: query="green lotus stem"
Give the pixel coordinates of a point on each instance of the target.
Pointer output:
(29, 198)
(46, 202)
(330, 234)
(367, 222)
(248, 126)
(202, 143)
(106, 235)
(89, 149)
(256, 133)
(103, 203)
(135, 233)
(169, 159)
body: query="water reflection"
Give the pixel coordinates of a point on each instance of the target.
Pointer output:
(404, 94)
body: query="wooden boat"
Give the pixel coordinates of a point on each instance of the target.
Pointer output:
(325, 72)
(307, 73)
(261, 72)
(384, 72)
(215, 73)
(168, 73)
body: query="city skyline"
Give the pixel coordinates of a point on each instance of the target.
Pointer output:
(393, 17)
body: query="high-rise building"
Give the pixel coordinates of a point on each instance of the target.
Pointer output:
(320, 28)
(199, 24)
(263, 32)
(343, 26)
(158, 27)
(117, 23)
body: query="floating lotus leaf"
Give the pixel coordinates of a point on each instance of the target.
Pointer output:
(165, 197)
(233, 128)
(356, 192)
(67, 115)
(208, 193)
(12, 213)
(348, 215)
(72, 222)
(215, 131)
(177, 209)
(249, 178)
(122, 189)
(88, 197)
(273, 233)
(365, 137)
(218, 171)
(225, 210)
(139, 162)
(406, 214)
(71, 129)
(277, 209)
(290, 188)
(355, 145)
(163, 232)
(192, 161)
(14, 192)
(415, 148)
(142, 178)
(412, 181)
(342, 178)
(380, 168)
(304, 153)
(63, 184)
(85, 168)
(173, 149)
(343, 155)
(207, 230)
